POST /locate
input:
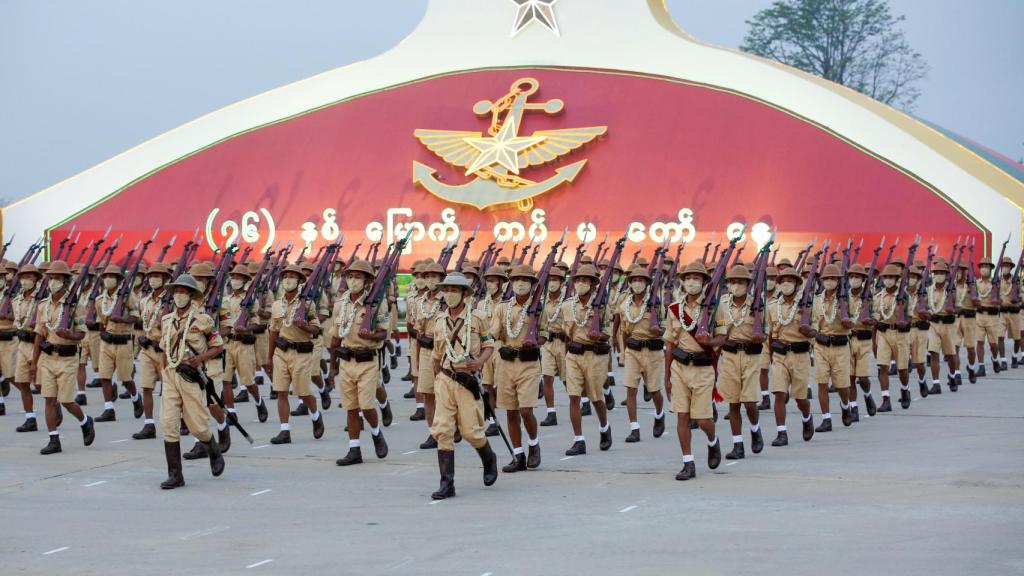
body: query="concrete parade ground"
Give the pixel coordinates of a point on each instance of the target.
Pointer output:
(937, 489)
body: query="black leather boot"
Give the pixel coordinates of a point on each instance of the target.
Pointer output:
(446, 465)
(386, 415)
(492, 429)
(609, 398)
(242, 396)
(904, 398)
(224, 439)
(429, 444)
(923, 388)
(419, 414)
(88, 431)
(847, 416)
(52, 447)
(756, 442)
(318, 427)
(380, 445)
(517, 464)
(148, 432)
(578, 447)
(197, 452)
(782, 439)
(300, 410)
(606, 439)
(825, 426)
(634, 436)
(869, 404)
(585, 409)
(107, 415)
(659, 427)
(689, 471)
(766, 403)
(261, 411)
(354, 456)
(715, 454)
(808, 429)
(283, 437)
(935, 389)
(325, 398)
(172, 451)
(490, 462)
(216, 460)
(550, 420)
(410, 394)
(972, 377)
(737, 453)
(533, 456)
(886, 405)
(81, 399)
(137, 407)
(29, 425)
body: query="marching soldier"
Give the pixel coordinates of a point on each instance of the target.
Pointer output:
(495, 279)
(8, 340)
(517, 369)
(586, 360)
(55, 359)
(553, 351)
(791, 356)
(966, 323)
(1010, 313)
(861, 342)
(892, 338)
(354, 353)
(291, 343)
(739, 363)
(942, 331)
(152, 358)
(990, 323)
(691, 371)
(428, 311)
(919, 327)
(412, 306)
(116, 344)
(463, 347)
(318, 365)
(23, 311)
(644, 354)
(831, 349)
(190, 340)
(770, 289)
(259, 324)
(240, 349)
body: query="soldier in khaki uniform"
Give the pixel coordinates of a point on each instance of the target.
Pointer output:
(586, 361)
(259, 328)
(691, 371)
(831, 349)
(412, 291)
(966, 322)
(354, 359)
(495, 279)
(8, 339)
(463, 347)
(615, 299)
(990, 323)
(861, 341)
(91, 345)
(151, 357)
(942, 332)
(116, 344)
(739, 363)
(318, 364)
(428, 310)
(770, 289)
(23, 311)
(553, 351)
(517, 368)
(189, 337)
(1009, 311)
(291, 343)
(240, 349)
(892, 339)
(919, 327)
(791, 356)
(55, 358)
(644, 354)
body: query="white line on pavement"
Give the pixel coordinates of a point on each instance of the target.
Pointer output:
(627, 509)
(260, 563)
(119, 441)
(260, 446)
(566, 458)
(432, 502)
(261, 492)
(55, 550)
(94, 483)
(409, 452)
(486, 574)
(731, 463)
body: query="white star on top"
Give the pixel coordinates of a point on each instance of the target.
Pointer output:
(502, 149)
(529, 10)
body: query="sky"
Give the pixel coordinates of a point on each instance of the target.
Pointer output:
(81, 81)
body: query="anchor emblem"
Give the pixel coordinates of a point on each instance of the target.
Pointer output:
(495, 161)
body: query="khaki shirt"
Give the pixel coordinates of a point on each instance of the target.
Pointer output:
(728, 319)
(549, 318)
(231, 308)
(507, 314)
(1005, 287)
(281, 315)
(676, 332)
(444, 330)
(885, 303)
(427, 311)
(150, 309)
(820, 320)
(574, 313)
(106, 302)
(183, 338)
(937, 297)
(641, 329)
(986, 294)
(22, 307)
(963, 297)
(854, 305)
(348, 317)
(778, 311)
(50, 313)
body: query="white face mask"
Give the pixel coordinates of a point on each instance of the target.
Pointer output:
(769, 285)
(155, 282)
(940, 277)
(737, 289)
(692, 286)
(787, 288)
(431, 283)
(1007, 270)
(27, 284)
(912, 281)
(521, 287)
(638, 286)
(201, 284)
(110, 283)
(452, 299)
(55, 285)
(889, 282)
(554, 285)
(237, 283)
(182, 300)
(420, 284)
(582, 287)
(355, 283)
(985, 271)
(289, 284)
(492, 286)
(831, 284)
(137, 282)
(856, 282)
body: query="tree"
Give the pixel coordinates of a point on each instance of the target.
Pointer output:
(856, 43)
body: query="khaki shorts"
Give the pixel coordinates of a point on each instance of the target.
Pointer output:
(414, 358)
(790, 372)
(940, 339)
(456, 405)
(893, 345)
(425, 374)
(692, 388)
(966, 332)
(585, 375)
(1012, 322)
(262, 349)
(241, 358)
(739, 377)
(860, 357)
(766, 357)
(918, 346)
(58, 377)
(182, 400)
(151, 366)
(8, 352)
(358, 384)
(517, 383)
(23, 362)
(646, 364)
(990, 327)
(291, 370)
(91, 349)
(116, 359)
(832, 363)
(552, 359)
(487, 372)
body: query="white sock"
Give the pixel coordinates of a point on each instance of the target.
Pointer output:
(108, 405)
(54, 433)
(852, 404)
(604, 428)
(315, 416)
(660, 415)
(231, 411)
(755, 428)
(533, 441)
(552, 410)
(490, 420)
(610, 373)
(687, 458)
(286, 426)
(135, 397)
(30, 414)
(713, 441)
(737, 439)
(222, 425)
(578, 438)
(956, 373)
(867, 394)
(807, 418)
(633, 426)
(764, 393)
(149, 421)
(375, 430)
(85, 418)
(780, 428)
(1, 400)
(419, 405)
(885, 393)
(353, 443)
(936, 382)
(259, 401)
(382, 406)
(826, 416)
(584, 400)
(518, 450)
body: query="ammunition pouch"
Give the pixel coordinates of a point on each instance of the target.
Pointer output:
(654, 344)
(285, 344)
(691, 358)
(115, 339)
(356, 354)
(510, 354)
(466, 380)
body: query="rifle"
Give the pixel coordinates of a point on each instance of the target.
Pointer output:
(246, 305)
(245, 255)
(801, 258)
(707, 247)
(74, 292)
(951, 282)
(522, 255)
(654, 299)
(971, 280)
(199, 376)
(600, 247)
(807, 296)
(758, 286)
(302, 254)
(311, 291)
(865, 291)
(3, 251)
(856, 251)
(533, 255)
(996, 266)
(63, 243)
(484, 256)
(739, 252)
(1015, 290)
(215, 297)
(536, 305)
(926, 278)
(714, 256)
(600, 298)
(13, 288)
(710, 301)
(446, 253)
(581, 248)
(820, 287)
(94, 292)
(465, 250)
(671, 276)
(379, 289)
(843, 293)
(902, 296)
(124, 291)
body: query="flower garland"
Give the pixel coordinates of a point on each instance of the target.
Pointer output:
(16, 307)
(573, 304)
(932, 307)
(511, 332)
(830, 316)
(693, 317)
(433, 309)
(783, 318)
(449, 351)
(727, 300)
(881, 308)
(346, 316)
(104, 299)
(628, 312)
(176, 354)
(60, 314)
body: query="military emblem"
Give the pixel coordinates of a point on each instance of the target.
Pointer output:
(495, 161)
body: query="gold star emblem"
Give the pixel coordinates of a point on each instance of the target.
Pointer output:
(501, 149)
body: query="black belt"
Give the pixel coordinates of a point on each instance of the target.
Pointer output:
(578, 348)
(285, 344)
(93, 326)
(412, 333)
(259, 329)
(990, 311)
(466, 380)
(137, 325)
(116, 339)
(1010, 309)
(747, 347)
(922, 325)
(62, 350)
(783, 347)
(8, 335)
(425, 342)
(887, 327)
(246, 339)
(356, 354)
(510, 354)
(26, 336)
(967, 313)
(837, 340)
(147, 344)
(556, 336)
(862, 334)
(943, 319)
(654, 344)
(691, 358)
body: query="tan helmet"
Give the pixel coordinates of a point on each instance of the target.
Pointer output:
(58, 268)
(638, 272)
(456, 279)
(771, 272)
(695, 267)
(523, 271)
(738, 272)
(159, 268)
(556, 272)
(561, 266)
(241, 270)
(891, 270)
(113, 270)
(253, 267)
(201, 269)
(29, 269)
(857, 269)
(471, 270)
(831, 271)
(293, 269)
(940, 266)
(495, 272)
(361, 266)
(587, 271)
(641, 261)
(785, 263)
(587, 259)
(307, 268)
(789, 272)
(432, 268)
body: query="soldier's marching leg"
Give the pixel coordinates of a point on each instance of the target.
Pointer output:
(488, 376)
(693, 386)
(386, 415)
(822, 375)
